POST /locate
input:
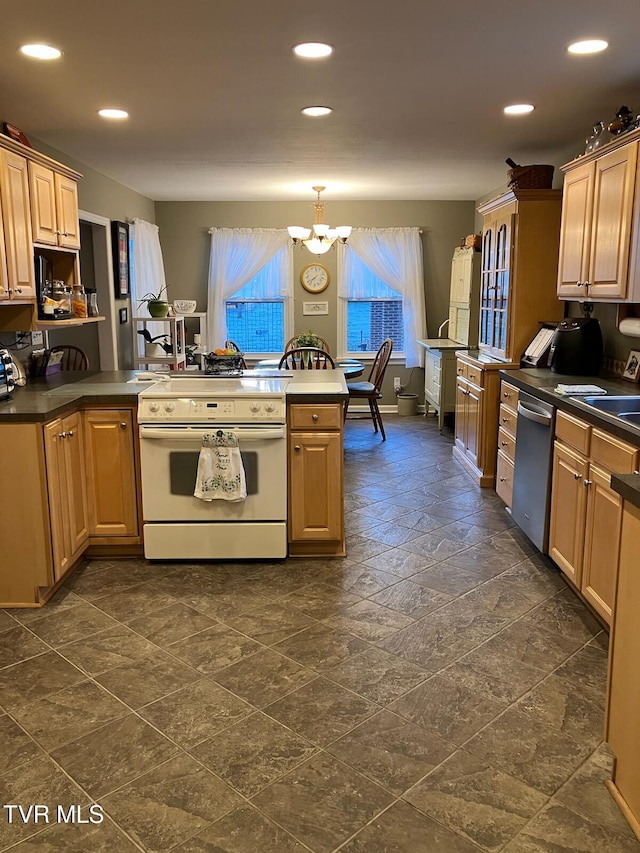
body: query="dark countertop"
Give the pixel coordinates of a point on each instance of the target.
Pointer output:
(628, 486)
(49, 397)
(541, 382)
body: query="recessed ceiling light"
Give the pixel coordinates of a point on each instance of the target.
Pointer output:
(317, 111)
(313, 50)
(40, 51)
(588, 46)
(518, 109)
(111, 113)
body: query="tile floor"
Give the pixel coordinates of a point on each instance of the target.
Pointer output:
(439, 690)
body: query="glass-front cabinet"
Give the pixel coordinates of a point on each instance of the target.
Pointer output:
(520, 236)
(494, 293)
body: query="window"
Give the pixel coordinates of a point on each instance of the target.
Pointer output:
(256, 320)
(374, 315)
(255, 325)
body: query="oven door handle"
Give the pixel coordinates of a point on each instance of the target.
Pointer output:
(178, 434)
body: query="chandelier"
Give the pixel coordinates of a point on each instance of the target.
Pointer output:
(323, 236)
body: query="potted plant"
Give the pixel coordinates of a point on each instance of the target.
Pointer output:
(157, 304)
(308, 339)
(157, 346)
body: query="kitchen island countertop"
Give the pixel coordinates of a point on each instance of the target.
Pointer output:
(49, 397)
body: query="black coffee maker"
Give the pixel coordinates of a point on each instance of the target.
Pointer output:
(576, 346)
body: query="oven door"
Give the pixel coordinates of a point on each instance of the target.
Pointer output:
(169, 461)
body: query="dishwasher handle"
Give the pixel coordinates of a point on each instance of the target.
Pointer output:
(542, 418)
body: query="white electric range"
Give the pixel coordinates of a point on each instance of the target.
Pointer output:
(173, 415)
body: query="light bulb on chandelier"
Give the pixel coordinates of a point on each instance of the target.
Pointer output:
(323, 236)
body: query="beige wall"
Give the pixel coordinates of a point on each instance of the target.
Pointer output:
(185, 245)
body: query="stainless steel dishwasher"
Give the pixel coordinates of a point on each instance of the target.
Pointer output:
(532, 469)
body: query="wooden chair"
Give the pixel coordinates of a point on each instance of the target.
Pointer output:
(229, 344)
(371, 389)
(73, 358)
(292, 345)
(306, 358)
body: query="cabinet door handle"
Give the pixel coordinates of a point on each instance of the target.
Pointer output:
(587, 482)
(18, 290)
(314, 417)
(587, 284)
(70, 433)
(62, 435)
(577, 476)
(296, 447)
(123, 425)
(503, 479)
(505, 420)
(506, 394)
(504, 443)
(579, 283)
(57, 233)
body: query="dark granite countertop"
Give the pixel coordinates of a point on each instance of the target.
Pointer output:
(50, 397)
(628, 486)
(541, 382)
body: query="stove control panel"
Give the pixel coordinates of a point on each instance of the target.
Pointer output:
(211, 410)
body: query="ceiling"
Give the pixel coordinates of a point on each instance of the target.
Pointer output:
(214, 91)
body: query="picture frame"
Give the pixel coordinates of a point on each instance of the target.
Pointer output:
(120, 248)
(631, 371)
(315, 307)
(15, 133)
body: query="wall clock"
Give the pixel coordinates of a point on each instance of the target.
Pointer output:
(314, 277)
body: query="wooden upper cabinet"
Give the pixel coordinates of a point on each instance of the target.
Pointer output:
(598, 213)
(18, 243)
(521, 232)
(54, 208)
(4, 281)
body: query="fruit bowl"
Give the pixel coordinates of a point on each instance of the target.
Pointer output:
(227, 365)
(184, 306)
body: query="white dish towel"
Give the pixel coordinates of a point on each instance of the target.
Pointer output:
(220, 470)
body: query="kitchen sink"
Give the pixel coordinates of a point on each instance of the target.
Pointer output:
(615, 405)
(632, 417)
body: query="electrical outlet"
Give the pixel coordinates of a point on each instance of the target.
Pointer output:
(37, 339)
(397, 385)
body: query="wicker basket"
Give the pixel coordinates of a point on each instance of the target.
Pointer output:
(531, 177)
(223, 365)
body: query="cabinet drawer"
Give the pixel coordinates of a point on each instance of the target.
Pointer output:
(508, 419)
(509, 394)
(507, 444)
(326, 416)
(613, 454)
(574, 432)
(504, 478)
(461, 369)
(475, 375)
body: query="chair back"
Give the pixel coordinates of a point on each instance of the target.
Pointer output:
(306, 358)
(291, 343)
(229, 344)
(73, 358)
(380, 364)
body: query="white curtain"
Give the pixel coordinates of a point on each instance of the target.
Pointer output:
(237, 255)
(148, 269)
(395, 256)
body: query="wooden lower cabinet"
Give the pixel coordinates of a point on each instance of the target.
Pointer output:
(507, 434)
(586, 514)
(477, 405)
(316, 475)
(623, 698)
(67, 491)
(111, 473)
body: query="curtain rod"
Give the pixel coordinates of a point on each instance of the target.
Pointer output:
(220, 227)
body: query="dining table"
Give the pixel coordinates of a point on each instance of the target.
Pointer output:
(352, 367)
